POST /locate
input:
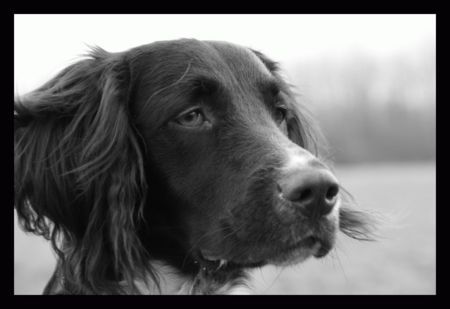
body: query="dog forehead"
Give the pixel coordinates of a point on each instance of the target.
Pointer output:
(216, 56)
(240, 59)
(224, 61)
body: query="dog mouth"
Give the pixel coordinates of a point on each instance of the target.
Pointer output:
(287, 255)
(215, 263)
(316, 246)
(310, 246)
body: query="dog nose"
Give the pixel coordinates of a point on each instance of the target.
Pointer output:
(313, 191)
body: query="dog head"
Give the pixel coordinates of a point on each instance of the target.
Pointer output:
(193, 152)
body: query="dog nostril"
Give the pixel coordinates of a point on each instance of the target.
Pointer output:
(313, 193)
(332, 192)
(304, 195)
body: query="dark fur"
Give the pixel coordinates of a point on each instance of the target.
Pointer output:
(100, 172)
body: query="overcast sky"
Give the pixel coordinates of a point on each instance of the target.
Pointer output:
(44, 44)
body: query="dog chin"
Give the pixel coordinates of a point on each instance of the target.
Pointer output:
(308, 247)
(295, 256)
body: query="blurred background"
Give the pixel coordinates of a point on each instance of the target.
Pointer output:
(370, 80)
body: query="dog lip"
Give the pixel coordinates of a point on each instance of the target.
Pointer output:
(305, 242)
(324, 248)
(321, 253)
(217, 262)
(309, 241)
(312, 245)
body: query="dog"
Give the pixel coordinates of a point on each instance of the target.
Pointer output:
(174, 168)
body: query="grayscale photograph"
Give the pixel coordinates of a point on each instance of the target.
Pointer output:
(225, 154)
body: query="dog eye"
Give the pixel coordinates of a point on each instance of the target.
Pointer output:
(192, 118)
(280, 114)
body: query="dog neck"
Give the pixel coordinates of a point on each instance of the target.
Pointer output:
(172, 282)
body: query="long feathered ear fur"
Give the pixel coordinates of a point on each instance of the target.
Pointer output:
(79, 174)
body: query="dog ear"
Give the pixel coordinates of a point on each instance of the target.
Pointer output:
(78, 171)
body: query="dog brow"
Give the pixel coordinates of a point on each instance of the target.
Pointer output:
(271, 89)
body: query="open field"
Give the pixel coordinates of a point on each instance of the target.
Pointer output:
(403, 261)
